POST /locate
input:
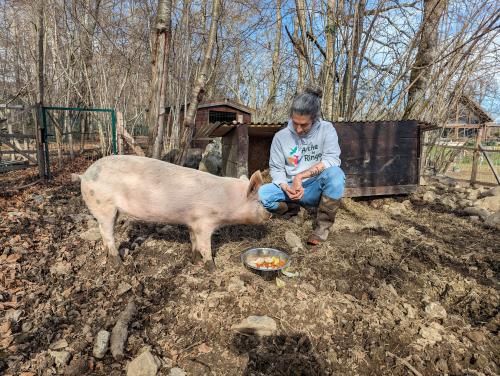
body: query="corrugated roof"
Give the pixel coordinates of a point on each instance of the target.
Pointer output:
(221, 129)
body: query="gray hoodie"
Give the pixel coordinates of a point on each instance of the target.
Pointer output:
(292, 154)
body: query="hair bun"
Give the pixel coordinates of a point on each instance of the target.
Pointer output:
(314, 90)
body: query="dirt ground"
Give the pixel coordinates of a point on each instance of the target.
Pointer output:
(399, 289)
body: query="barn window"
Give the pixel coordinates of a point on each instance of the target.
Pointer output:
(221, 116)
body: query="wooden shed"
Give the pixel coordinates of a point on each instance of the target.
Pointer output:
(379, 158)
(214, 112)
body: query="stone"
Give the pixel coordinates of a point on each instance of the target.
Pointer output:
(211, 160)
(236, 285)
(61, 267)
(293, 241)
(476, 336)
(411, 313)
(473, 194)
(431, 334)
(474, 211)
(464, 203)
(435, 310)
(176, 371)
(396, 208)
(61, 358)
(92, 234)
(493, 220)
(448, 202)
(442, 366)
(259, 325)
(446, 180)
(58, 345)
(143, 365)
(491, 203)
(123, 287)
(495, 191)
(13, 314)
(373, 224)
(429, 197)
(101, 344)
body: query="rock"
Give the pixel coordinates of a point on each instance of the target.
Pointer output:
(101, 344)
(61, 358)
(293, 241)
(13, 314)
(176, 371)
(143, 365)
(123, 287)
(493, 220)
(211, 160)
(395, 208)
(373, 224)
(472, 194)
(472, 210)
(431, 334)
(58, 345)
(435, 310)
(442, 366)
(491, 203)
(410, 311)
(464, 203)
(259, 325)
(91, 235)
(79, 365)
(429, 197)
(446, 180)
(61, 267)
(476, 336)
(413, 231)
(236, 285)
(449, 202)
(495, 191)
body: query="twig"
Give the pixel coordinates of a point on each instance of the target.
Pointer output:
(404, 362)
(120, 331)
(24, 186)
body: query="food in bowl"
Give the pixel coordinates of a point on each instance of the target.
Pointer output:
(269, 262)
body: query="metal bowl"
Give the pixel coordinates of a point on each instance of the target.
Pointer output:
(264, 252)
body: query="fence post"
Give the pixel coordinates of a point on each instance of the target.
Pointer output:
(113, 130)
(40, 155)
(475, 158)
(119, 127)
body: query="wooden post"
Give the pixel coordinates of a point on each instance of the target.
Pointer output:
(40, 127)
(242, 137)
(475, 158)
(119, 127)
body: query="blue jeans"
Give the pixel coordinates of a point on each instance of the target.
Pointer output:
(330, 183)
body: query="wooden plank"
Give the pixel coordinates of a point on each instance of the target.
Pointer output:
(10, 152)
(490, 163)
(13, 166)
(376, 179)
(378, 130)
(14, 147)
(451, 146)
(16, 136)
(355, 147)
(380, 190)
(388, 165)
(475, 157)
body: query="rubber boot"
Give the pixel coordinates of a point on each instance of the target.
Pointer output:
(325, 217)
(287, 210)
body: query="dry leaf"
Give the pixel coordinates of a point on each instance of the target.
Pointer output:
(301, 295)
(204, 348)
(13, 257)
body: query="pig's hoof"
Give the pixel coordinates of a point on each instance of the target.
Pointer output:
(209, 266)
(196, 258)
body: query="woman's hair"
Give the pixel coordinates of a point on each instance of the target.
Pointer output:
(308, 103)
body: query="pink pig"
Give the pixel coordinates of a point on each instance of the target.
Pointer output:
(156, 191)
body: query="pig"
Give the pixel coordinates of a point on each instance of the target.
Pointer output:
(151, 190)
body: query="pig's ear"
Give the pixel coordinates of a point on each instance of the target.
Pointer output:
(255, 183)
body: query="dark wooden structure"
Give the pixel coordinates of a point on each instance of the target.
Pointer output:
(214, 112)
(379, 158)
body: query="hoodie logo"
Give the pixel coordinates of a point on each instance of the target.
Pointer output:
(294, 157)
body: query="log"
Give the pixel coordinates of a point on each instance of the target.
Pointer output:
(119, 333)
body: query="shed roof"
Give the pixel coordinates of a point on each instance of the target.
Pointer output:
(260, 128)
(476, 108)
(222, 102)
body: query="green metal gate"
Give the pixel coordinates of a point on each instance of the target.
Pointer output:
(62, 126)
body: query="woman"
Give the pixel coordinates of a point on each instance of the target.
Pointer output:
(305, 165)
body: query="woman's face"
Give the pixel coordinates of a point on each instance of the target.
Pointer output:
(301, 123)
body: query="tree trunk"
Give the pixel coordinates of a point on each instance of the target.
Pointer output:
(273, 86)
(199, 87)
(427, 48)
(159, 65)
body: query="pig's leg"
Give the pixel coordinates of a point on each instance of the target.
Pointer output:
(195, 255)
(106, 220)
(203, 241)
